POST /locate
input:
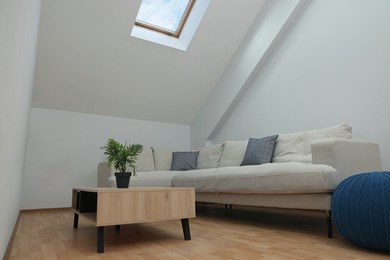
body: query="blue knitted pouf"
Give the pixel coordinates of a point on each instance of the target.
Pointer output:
(361, 209)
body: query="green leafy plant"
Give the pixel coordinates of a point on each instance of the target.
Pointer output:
(121, 156)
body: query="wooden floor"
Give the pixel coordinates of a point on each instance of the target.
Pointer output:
(249, 233)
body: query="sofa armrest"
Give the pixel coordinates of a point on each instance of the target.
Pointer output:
(103, 173)
(347, 156)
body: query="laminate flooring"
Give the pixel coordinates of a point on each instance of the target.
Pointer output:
(244, 233)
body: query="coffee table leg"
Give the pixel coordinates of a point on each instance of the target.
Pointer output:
(100, 239)
(186, 228)
(76, 220)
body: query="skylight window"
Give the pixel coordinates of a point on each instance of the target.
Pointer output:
(164, 16)
(162, 21)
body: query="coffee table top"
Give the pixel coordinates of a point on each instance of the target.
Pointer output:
(112, 189)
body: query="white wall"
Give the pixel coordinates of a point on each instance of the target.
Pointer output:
(63, 151)
(19, 21)
(332, 67)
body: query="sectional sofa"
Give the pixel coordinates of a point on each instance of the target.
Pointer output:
(294, 170)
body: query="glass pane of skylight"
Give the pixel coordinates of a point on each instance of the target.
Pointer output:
(165, 14)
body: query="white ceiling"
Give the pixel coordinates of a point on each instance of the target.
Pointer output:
(88, 62)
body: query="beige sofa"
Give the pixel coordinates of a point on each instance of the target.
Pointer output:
(306, 168)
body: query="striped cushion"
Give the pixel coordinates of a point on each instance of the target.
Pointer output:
(183, 161)
(259, 151)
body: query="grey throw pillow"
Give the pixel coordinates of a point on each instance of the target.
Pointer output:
(184, 161)
(259, 151)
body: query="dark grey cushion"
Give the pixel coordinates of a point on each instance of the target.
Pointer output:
(259, 151)
(184, 161)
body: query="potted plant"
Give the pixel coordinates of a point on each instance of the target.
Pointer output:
(123, 158)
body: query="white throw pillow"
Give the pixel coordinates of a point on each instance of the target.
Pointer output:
(209, 157)
(233, 153)
(162, 159)
(145, 161)
(296, 147)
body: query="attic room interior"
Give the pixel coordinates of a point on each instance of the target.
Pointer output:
(76, 73)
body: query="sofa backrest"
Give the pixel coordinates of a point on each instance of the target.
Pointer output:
(233, 153)
(209, 157)
(296, 147)
(290, 147)
(145, 161)
(162, 159)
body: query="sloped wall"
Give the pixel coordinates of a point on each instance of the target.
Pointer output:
(274, 18)
(331, 67)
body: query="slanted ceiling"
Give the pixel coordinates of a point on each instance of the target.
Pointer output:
(87, 61)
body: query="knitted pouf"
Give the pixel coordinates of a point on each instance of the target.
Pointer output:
(361, 209)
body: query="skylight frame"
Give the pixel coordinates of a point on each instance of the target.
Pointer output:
(171, 33)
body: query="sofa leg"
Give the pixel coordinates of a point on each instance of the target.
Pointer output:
(228, 209)
(329, 223)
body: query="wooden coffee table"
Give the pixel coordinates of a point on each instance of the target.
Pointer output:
(112, 206)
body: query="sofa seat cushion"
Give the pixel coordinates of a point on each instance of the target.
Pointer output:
(150, 179)
(270, 178)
